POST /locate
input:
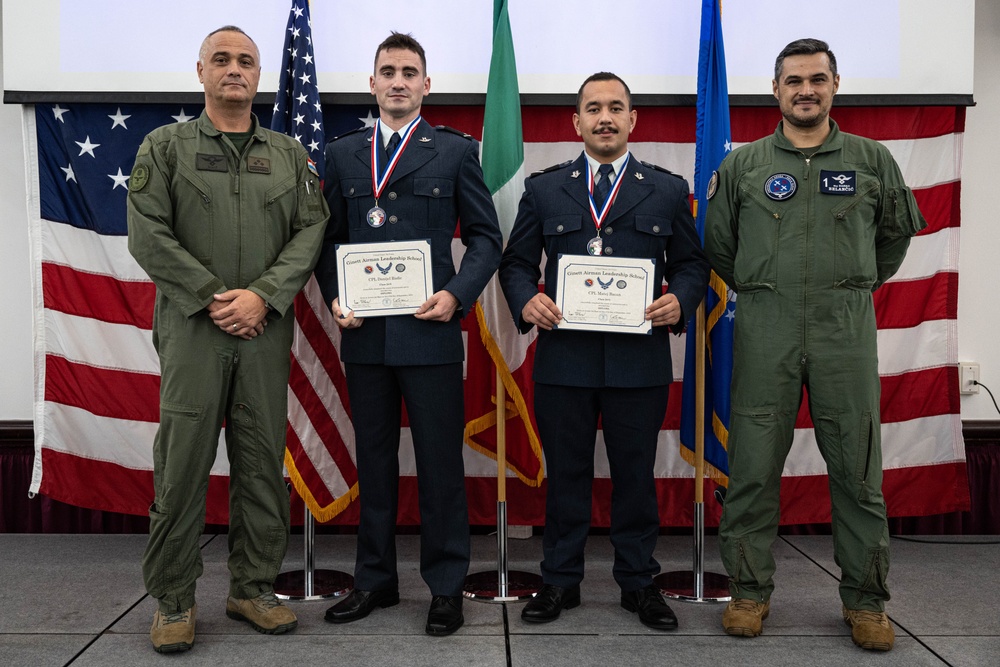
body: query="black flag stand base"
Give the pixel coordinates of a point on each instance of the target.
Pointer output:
(501, 585)
(309, 583)
(696, 585)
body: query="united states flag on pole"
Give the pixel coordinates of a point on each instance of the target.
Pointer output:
(320, 441)
(712, 143)
(96, 373)
(97, 376)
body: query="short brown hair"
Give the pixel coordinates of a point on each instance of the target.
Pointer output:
(398, 40)
(804, 47)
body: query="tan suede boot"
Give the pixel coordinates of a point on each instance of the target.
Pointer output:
(265, 613)
(745, 618)
(173, 632)
(870, 629)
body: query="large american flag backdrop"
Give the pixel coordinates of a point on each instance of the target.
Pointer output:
(96, 373)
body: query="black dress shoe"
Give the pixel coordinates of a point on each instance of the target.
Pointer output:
(653, 611)
(359, 604)
(445, 615)
(549, 601)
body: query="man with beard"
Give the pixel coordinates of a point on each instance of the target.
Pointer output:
(804, 226)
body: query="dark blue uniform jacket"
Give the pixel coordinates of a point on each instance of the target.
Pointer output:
(650, 218)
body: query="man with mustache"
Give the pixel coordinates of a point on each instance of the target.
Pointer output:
(582, 376)
(805, 224)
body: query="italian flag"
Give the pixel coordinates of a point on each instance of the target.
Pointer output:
(503, 168)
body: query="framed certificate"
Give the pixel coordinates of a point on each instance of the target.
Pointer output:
(597, 293)
(380, 279)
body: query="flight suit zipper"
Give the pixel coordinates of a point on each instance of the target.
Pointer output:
(805, 267)
(237, 178)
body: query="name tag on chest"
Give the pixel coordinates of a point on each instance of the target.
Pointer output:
(206, 162)
(837, 182)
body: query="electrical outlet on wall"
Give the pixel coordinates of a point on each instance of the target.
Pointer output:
(968, 377)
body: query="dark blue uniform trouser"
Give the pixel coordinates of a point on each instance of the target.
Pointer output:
(434, 405)
(567, 420)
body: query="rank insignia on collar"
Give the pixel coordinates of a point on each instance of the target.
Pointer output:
(369, 139)
(639, 176)
(575, 174)
(424, 140)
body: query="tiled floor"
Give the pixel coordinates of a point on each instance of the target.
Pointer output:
(79, 599)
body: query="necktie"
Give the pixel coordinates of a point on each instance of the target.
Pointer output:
(390, 148)
(603, 185)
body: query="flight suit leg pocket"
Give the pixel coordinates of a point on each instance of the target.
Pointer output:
(177, 439)
(869, 461)
(247, 440)
(751, 434)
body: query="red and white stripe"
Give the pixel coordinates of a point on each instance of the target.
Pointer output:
(97, 374)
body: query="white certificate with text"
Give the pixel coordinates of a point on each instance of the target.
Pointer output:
(604, 294)
(380, 279)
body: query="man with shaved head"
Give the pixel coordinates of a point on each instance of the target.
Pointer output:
(227, 218)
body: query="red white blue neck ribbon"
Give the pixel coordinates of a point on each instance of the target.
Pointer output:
(378, 184)
(599, 216)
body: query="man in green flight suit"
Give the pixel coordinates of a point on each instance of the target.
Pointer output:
(227, 218)
(804, 225)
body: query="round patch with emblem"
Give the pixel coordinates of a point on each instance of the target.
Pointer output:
(140, 176)
(713, 184)
(780, 186)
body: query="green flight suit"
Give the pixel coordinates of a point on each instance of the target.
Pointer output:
(203, 218)
(804, 237)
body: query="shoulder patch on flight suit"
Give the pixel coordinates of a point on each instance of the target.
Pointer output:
(552, 168)
(713, 184)
(140, 176)
(206, 162)
(258, 165)
(312, 167)
(445, 128)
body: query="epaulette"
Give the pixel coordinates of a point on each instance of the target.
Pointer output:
(349, 133)
(552, 168)
(659, 168)
(445, 128)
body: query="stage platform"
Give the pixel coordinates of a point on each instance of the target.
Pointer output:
(79, 600)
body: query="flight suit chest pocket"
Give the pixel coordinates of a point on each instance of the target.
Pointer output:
(193, 218)
(280, 205)
(358, 194)
(437, 196)
(655, 231)
(756, 265)
(561, 232)
(853, 222)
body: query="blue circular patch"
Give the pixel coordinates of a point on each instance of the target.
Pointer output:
(780, 186)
